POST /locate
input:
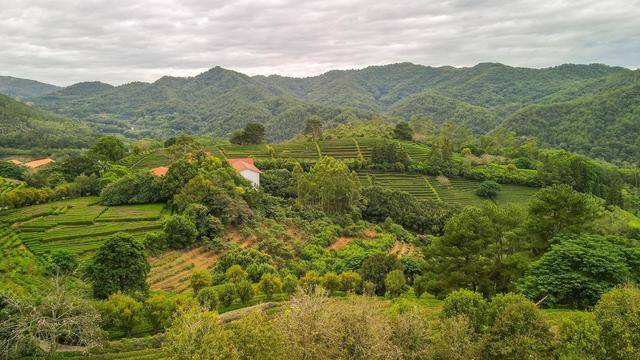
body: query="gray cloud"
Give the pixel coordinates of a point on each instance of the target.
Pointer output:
(119, 41)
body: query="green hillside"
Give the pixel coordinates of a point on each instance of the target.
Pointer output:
(604, 124)
(25, 127)
(218, 101)
(24, 88)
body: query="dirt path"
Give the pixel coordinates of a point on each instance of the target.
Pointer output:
(340, 243)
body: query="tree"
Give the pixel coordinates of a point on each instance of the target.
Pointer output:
(121, 312)
(200, 278)
(330, 186)
(351, 281)
(119, 265)
(388, 152)
(253, 133)
(488, 189)
(59, 312)
(244, 289)
(197, 334)
(403, 131)
(136, 188)
(375, 269)
(109, 148)
(395, 283)
(158, 310)
(420, 285)
(618, 313)
(236, 274)
(559, 209)
(482, 249)
(313, 127)
(520, 332)
(180, 231)
(269, 285)
(61, 262)
(578, 269)
(208, 298)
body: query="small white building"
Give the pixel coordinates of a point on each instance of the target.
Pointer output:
(246, 169)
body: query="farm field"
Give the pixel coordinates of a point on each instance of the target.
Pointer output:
(457, 191)
(171, 270)
(79, 225)
(359, 148)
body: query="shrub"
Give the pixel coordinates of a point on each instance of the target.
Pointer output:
(289, 284)
(466, 303)
(181, 232)
(395, 283)
(331, 282)
(520, 332)
(618, 313)
(488, 189)
(158, 311)
(351, 281)
(121, 312)
(579, 337)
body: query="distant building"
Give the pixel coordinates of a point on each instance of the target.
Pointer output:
(15, 162)
(37, 163)
(246, 169)
(160, 171)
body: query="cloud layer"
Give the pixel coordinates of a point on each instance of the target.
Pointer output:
(118, 41)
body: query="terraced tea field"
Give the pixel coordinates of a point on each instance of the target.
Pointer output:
(171, 270)
(359, 148)
(144, 354)
(79, 225)
(453, 191)
(7, 185)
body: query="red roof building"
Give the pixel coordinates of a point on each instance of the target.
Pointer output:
(160, 171)
(246, 169)
(241, 164)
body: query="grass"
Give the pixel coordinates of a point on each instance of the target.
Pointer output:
(456, 191)
(78, 225)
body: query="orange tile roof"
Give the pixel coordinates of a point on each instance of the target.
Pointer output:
(160, 171)
(37, 163)
(14, 161)
(241, 164)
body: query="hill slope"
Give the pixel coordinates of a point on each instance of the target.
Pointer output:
(25, 127)
(24, 88)
(219, 101)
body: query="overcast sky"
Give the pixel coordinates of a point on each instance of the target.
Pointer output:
(119, 41)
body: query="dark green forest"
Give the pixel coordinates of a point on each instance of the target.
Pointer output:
(598, 102)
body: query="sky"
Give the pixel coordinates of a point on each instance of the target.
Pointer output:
(118, 41)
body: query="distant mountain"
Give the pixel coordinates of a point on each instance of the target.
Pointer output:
(219, 101)
(604, 121)
(24, 127)
(24, 88)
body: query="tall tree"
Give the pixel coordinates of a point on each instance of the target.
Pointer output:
(313, 127)
(403, 131)
(119, 265)
(109, 148)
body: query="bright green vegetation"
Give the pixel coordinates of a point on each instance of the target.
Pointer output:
(457, 191)
(7, 185)
(78, 225)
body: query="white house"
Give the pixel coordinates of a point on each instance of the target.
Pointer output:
(246, 169)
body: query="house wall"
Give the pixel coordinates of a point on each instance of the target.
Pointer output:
(252, 176)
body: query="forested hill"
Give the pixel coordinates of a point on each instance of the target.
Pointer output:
(24, 127)
(482, 97)
(23, 88)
